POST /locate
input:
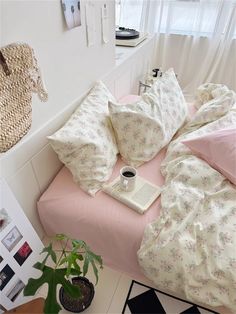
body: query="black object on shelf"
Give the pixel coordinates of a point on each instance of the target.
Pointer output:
(156, 73)
(126, 33)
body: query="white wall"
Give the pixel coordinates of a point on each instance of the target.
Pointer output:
(70, 68)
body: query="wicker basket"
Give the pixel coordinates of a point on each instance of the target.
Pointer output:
(19, 78)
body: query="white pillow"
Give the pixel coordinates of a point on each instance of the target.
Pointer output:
(86, 143)
(146, 126)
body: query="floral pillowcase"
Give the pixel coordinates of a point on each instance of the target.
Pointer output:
(86, 143)
(143, 128)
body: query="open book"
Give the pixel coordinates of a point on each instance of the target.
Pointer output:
(140, 199)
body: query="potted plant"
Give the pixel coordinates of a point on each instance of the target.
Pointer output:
(76, 293)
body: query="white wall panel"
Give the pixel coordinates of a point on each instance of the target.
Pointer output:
(46, 165)
(123, 84)
(133, 62)
(26, 190)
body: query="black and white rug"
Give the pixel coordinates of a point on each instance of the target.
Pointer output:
(143, 299)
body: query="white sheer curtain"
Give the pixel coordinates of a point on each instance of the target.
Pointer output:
(196, 37)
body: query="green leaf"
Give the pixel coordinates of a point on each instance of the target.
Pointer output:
(76, 266)
(97, 258)
(80, 257)
(95, 270)
(60, 237)
(49, 250)
(39, 266)
(51, 305)
(75, 272)
(78, 244)
(63, 261)
(90, 257)
(86, 264)
(33, 285)
(72, 261)
(52, 277)
(44, 260)
(72, 290)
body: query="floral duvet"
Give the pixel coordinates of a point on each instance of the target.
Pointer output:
(191, 248)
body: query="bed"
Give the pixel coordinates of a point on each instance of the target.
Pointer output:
(117, 233)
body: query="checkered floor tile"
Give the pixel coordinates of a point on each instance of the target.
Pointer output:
(143, 299)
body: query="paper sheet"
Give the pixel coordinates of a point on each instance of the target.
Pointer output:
(105, 24)
(90, 23)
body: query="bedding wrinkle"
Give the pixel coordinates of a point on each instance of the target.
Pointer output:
(86, 143)
(199, 246)
(161, 111)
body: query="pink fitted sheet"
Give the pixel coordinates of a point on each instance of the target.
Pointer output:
(110, 228)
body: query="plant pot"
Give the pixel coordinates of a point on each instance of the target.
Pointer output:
(82, 303)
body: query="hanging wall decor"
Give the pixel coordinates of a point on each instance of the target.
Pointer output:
(20, 77)
(20, 247)
(71, 9)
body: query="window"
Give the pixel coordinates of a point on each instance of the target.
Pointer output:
(177, 16)
(129, 13)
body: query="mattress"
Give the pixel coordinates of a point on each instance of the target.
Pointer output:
(109, 227)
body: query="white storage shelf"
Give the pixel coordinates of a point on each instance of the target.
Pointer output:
(123, 53)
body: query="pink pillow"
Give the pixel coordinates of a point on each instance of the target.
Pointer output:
(129, 99)
(218, 149)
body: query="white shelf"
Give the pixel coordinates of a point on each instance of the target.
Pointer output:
(123, 53)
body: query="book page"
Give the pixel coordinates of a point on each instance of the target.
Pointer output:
(140, 199)
(144, 194)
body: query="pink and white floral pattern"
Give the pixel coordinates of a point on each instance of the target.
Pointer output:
(208, 91)
(144, 127)
(86, 143)
(191, 248)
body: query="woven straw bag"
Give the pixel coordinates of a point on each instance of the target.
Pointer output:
(19, 78)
